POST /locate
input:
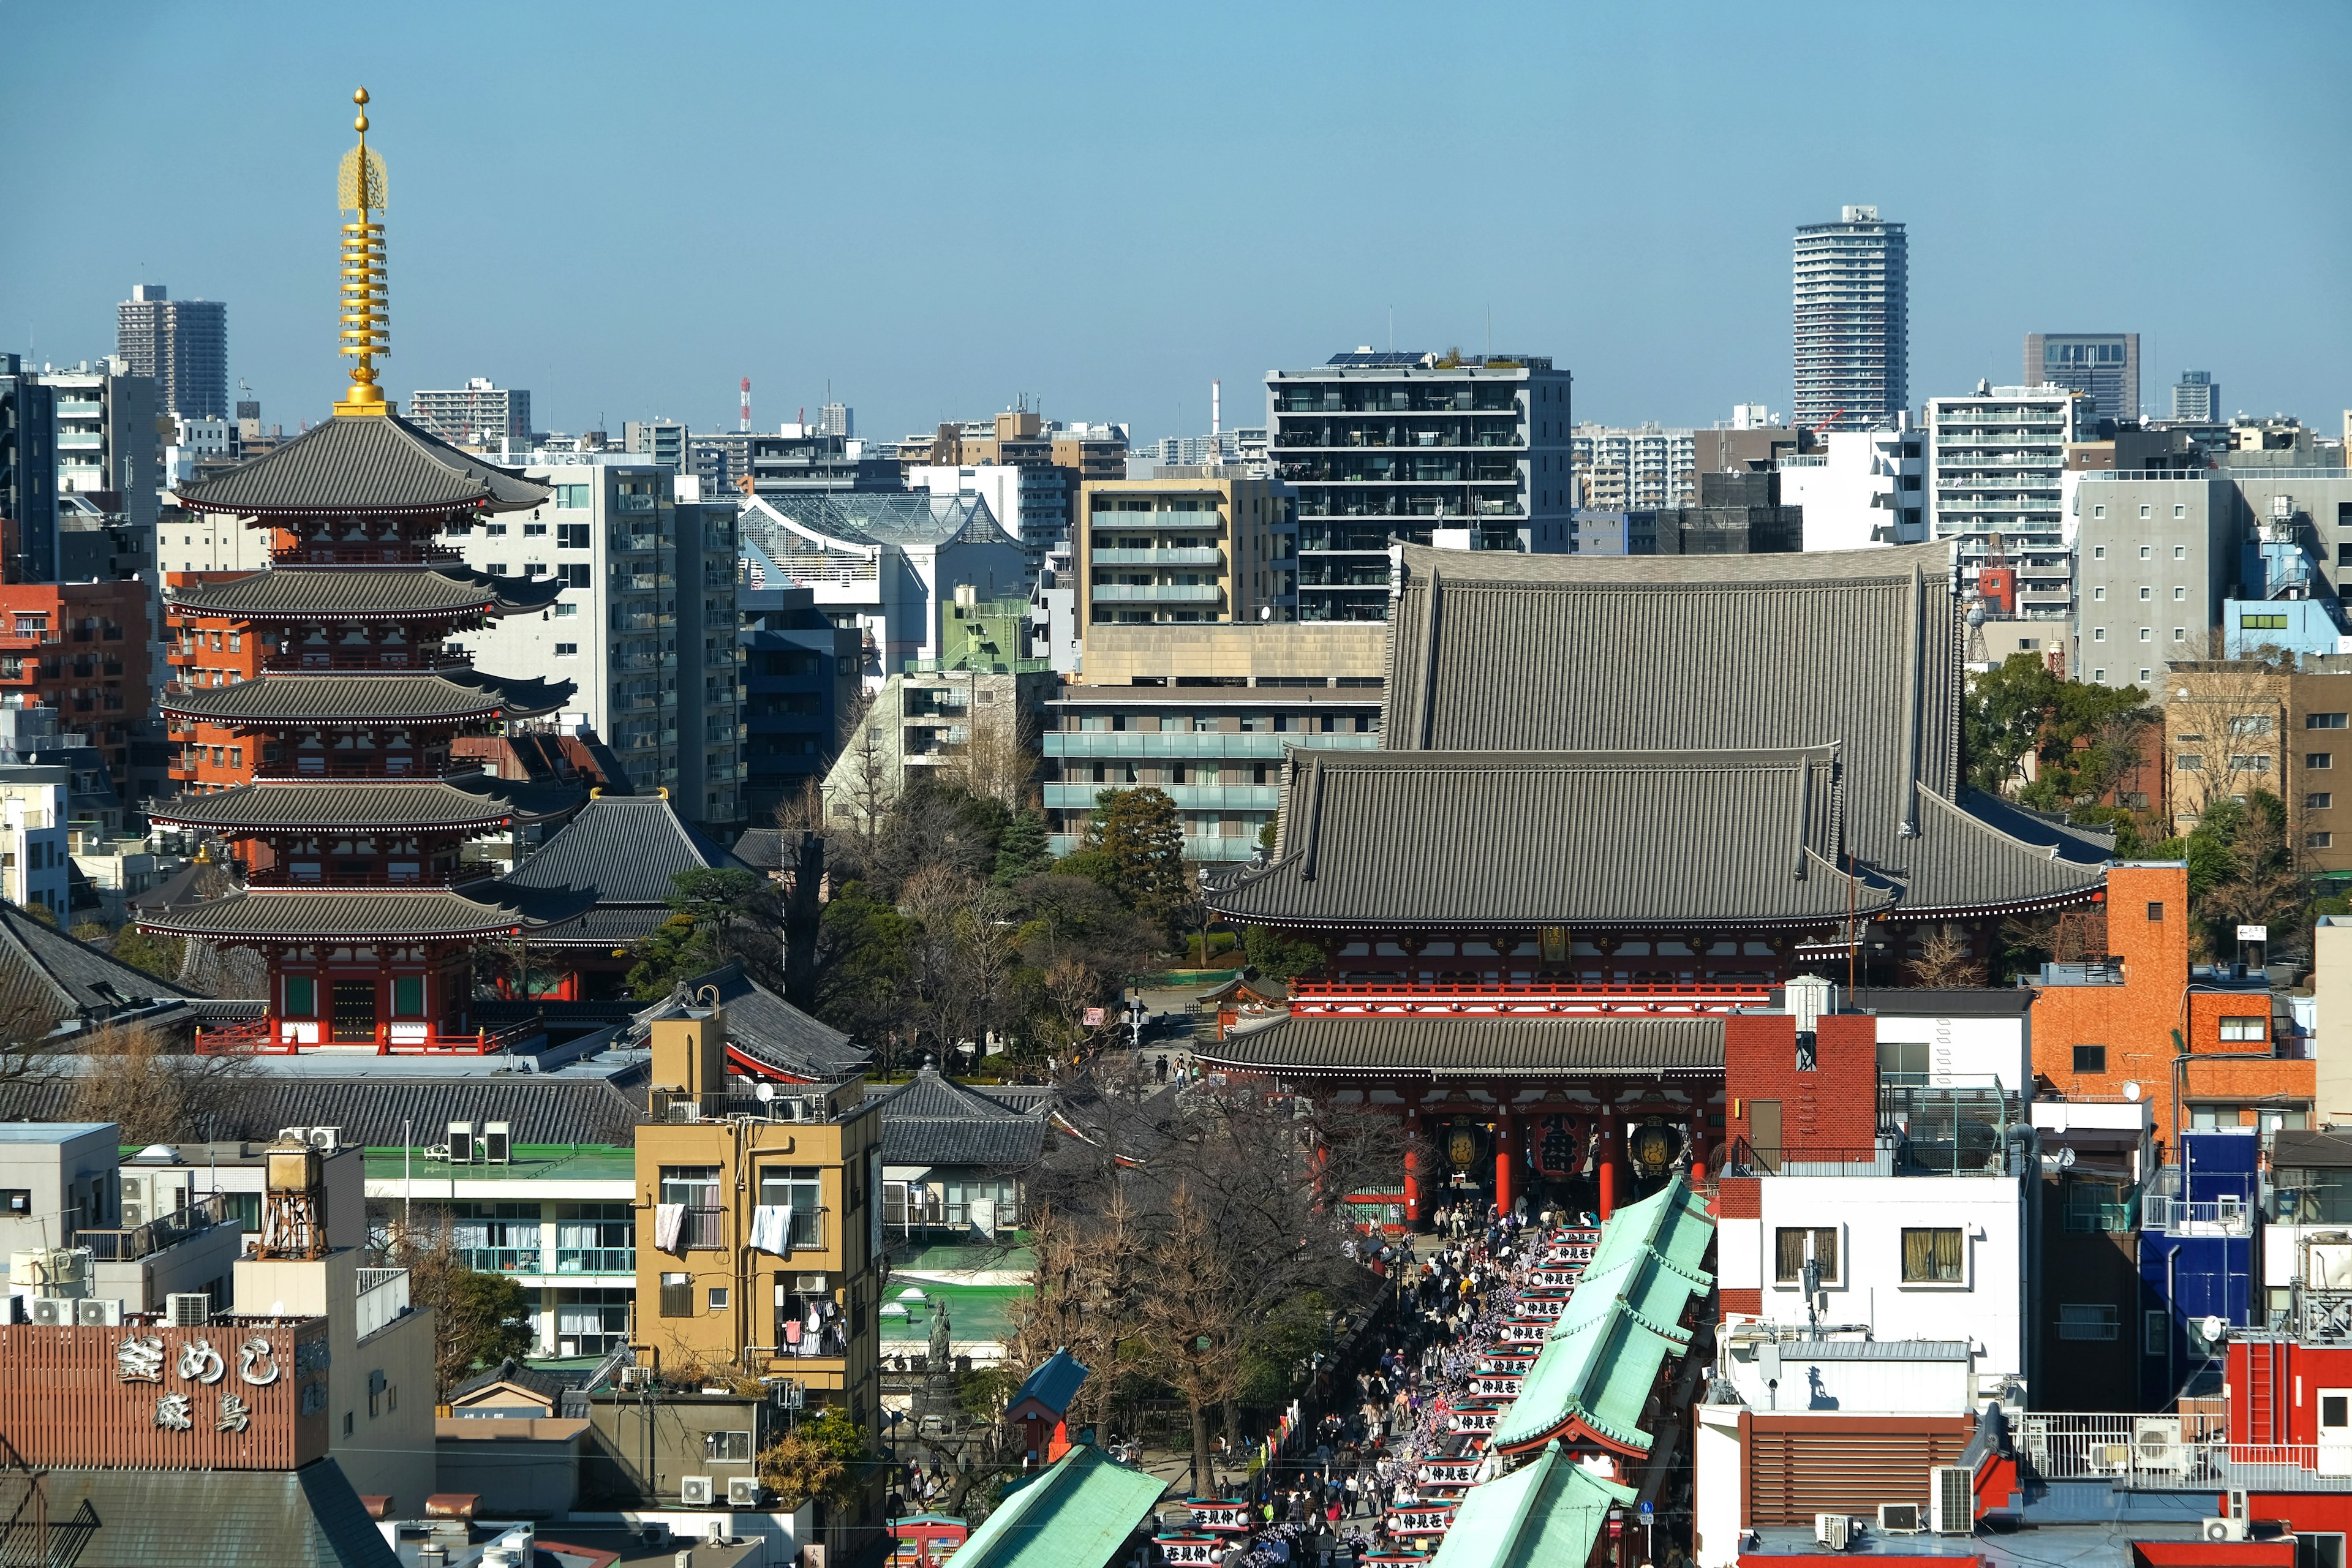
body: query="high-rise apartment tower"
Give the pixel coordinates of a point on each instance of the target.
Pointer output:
(1853, 323)
(181, 345)
(2196, 397)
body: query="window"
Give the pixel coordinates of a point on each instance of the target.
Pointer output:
(572, 536)
(2156, 912)
(494, 530)
(2321, 761)
(2099, 634)
(1903, 1061)
(2179, 595)
(2178, 510)
(2098, 594)
(2244, 725)
(2099, 675)
(2319, 840)
(2156, 1331)
(2100, 511)
(2086, 1321)
(2322, 721)
(408, 995)
(2146, 592)
(565, 612)
(2319, 800)
(803, 1187)
(535, 531)
(2089, 1058)
(301, 996)
(728, 1448)
(677, 1295)
(2248, 763)
(2246, 1027)
(567, 651)
(1789, 1254)
(2259, 623)
(2143, 673)
(2146, 553)
(2143, 512)
(2099, 552)
(575, 576)
(1933, 1257)
(571, 498)
(719, 1297)
(2145, 635)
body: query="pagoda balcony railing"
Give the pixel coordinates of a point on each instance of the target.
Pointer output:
(389, 1036)
(1327, 997)
(320, 659)
(354, 552)
(465, 873)
(333, 769)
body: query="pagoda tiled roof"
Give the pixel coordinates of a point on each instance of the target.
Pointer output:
(356, 464)
(469, 801)
(414, 696)
(329, 913)
(630, 847)
(1439, 1044)
(365, 592)
(933, 1120)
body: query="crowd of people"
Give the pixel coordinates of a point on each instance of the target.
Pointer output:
(1330, 1496)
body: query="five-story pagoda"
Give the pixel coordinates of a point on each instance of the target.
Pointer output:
(350, 833)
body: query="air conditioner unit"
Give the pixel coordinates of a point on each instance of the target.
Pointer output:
(53, 1311)
(95, 1312)
(461, 1142)
(694, 1491)
(1834, 1531)
(2156, 1444)
(498, 1142)
(2221, 1529)
(326, 1140)
(134, 1202)
(1899, 1519)
(1952, 1499)
(293, 1135)
(633, 1377)
(187, 1309)
(742, 1491)
(2238, 1505)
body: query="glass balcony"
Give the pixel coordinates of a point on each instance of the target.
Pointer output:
(1188, 797)
(1252, 745)
(1156, 557)
(1159, 593)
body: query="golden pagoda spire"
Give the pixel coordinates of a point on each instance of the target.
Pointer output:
(360, 190)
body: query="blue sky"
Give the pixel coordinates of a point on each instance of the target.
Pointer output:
(938, 209)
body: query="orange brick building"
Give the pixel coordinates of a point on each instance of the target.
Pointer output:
(2107, 1030)
(81, 648)
(204, 651)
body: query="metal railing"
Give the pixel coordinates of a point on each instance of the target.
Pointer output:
(128, 1245)
(2162, 1212)
(383, 1296)
(787, 1105)
(2187, 1452)
(705, 1228)
(1891, 1155)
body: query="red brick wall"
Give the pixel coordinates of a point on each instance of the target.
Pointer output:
(1832, 1107)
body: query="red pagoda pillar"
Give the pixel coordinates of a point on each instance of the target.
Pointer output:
(1413, 1129)
(1506, 1151)
(1605, 1157)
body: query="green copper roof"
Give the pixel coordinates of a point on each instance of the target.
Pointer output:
(1653, 1291)
(1077, 1514)
(1670, 1222)
(1542, 1514)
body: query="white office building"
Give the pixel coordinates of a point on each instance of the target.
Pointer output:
(474, 415)
(1997, 465)
(1032, 500)
(1860, 488)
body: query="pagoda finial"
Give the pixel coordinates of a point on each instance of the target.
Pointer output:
(360, 190)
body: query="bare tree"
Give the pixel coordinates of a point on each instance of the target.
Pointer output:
(155, 1094)
(1947, 960)
(870, 776)
(999, 757)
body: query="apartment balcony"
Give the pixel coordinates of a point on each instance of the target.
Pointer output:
(1188, 797)
(1155, 592)
(1196, 557)
(1256, 745)
(2176, 1453)
(1968, 1154)
(131, 1243)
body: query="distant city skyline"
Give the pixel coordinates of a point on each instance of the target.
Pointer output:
(527, 245)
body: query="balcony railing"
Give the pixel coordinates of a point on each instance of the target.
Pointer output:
(1892, 1155)
(145, 1240)
(703, 1228)
(1144, 593)
(1255, 744)
(2176, 1453)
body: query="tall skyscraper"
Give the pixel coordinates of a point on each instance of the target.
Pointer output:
(1853, 323)
(181, 345)
(2103, 364)
(2196, 397)
(837, 419)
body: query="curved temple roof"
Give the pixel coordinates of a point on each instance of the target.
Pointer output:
(473, 801)
(484, 911)
(1436, 1045)
(444, 696)
(370, 592)
(362, 465)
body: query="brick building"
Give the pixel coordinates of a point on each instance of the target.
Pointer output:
(82, 649)
(200, 652)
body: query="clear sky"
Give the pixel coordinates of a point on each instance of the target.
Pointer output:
(938, 209)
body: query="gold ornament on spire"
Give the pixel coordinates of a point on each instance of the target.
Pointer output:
(360, 190)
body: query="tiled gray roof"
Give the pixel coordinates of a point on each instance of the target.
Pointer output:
(310, 1518)
(627, 847)
(768, 1029)
(615, 926)
(365, 592)
(479, 910)
(362, 463)
(1981, 854)
(474, 801)
(46, 976)
(933, 1120)
(762, 849)
(1437, 838)
(416, 696)
(383, 1111)
(1860, 650)
(1438, 1045)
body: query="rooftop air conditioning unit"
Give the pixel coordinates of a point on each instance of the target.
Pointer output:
(293, 1135)
(326, 1140)
(187, 1309)
(53, 1311)
(461, 1142)
(1952, 1499)
(95, 1312)
(694, 1491)
(2156, 1444)
(134, 1202)
(2221, 1529)
(1834, 1531)
(498, 1142)
(1899, 1519)
(742, 1491)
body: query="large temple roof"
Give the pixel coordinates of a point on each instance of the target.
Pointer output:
(629, 845)
(1437, 1045)
(360, 914)
(391, 697)
(356, 464)
(1574, 838)
(469, 801)
(369, 593)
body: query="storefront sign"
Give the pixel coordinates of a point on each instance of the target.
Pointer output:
(1218, 1515)
(1444, 1470)
(1498, 1386)
(1421, 1521)
(1188, 1550)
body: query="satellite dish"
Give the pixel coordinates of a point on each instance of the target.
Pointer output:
(764, 1091)
(2066, 1159)
(2214, 1329)
(2131, 1093)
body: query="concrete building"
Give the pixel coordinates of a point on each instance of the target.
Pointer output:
(836, 419)
(1640, 468)
(2104, 366)
(1734, 514)
(1853, 323)
(1030, 500)
(208, 541)
(29, 473)
(2196, 397)
(1207, 714)
(106, 435)
(1752, 440)
(644, 626)
(1476, 453)
(1859, 488)
(1996, 461)
(476, 415)
(663, 440)
(2235, 726)
(799, 461)
(800, 684)
(35, 863)
(1184, 552)
(180, 346)
(719, 461)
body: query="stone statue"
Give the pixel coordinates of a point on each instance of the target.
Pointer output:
(940, 1338)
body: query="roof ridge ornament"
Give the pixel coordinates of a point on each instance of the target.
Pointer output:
(360, 189)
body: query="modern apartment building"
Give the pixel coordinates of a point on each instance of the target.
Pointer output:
(1184, 552)
(836, 419)
(1853, 323)
(663, 440)
(2235, 726)
(475, 414)
(1860, 488)
(1642, 467)
(106, 435)
(28, 474)
(2104, 366)
(1472, 453)
(1996, 461)
(2157, 556)
(1207, 714)
(798, 461)
(180, 345)
(799, 683)
(645, 625)
(2196, 397)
